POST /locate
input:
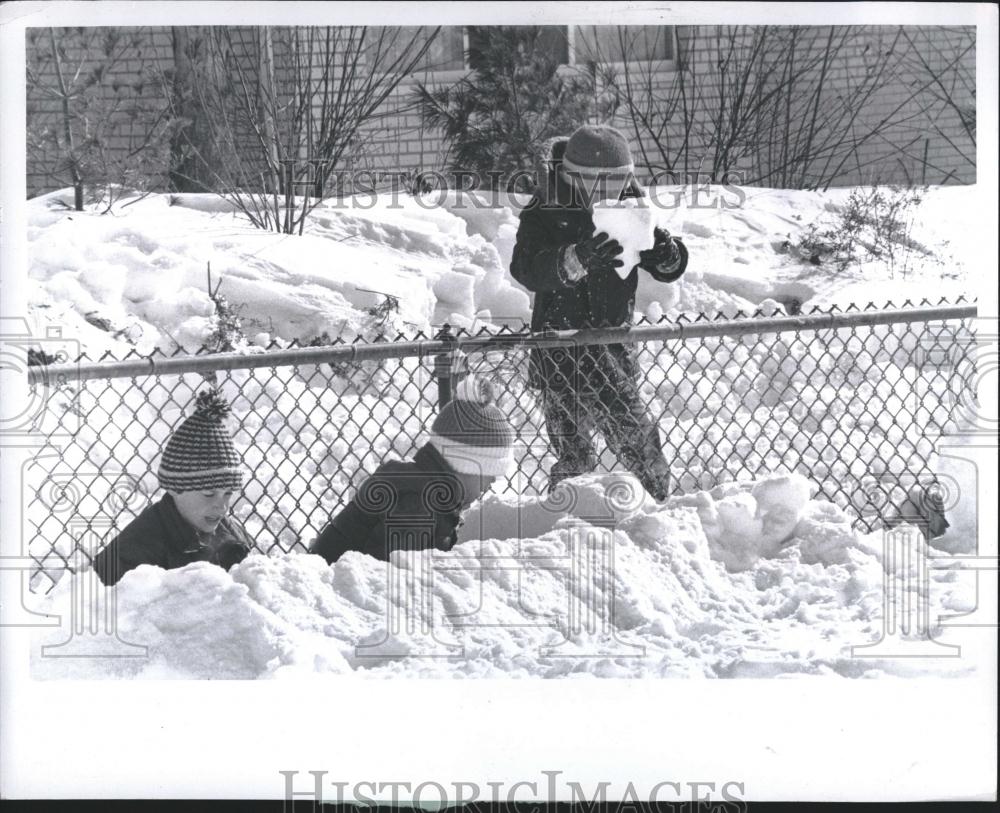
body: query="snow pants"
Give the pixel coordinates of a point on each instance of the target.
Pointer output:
(571, 418)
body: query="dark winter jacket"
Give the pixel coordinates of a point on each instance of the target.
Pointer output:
(411, 505)
(161, 536)
(551, 223)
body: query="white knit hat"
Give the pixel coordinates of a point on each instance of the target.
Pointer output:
(471, 432)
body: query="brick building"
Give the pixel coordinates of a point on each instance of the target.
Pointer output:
(865, 104)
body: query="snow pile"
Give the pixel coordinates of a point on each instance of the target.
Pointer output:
(645, 591)
(136, 276)
(742, 242)
(744, 579)
(745, 523)
(742, 522)
(198, 622)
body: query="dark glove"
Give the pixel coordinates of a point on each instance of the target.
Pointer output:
(667, 259)
(229, 554)
(599, 253)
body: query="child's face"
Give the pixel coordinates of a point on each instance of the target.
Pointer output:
(590, 190)
(203, 509)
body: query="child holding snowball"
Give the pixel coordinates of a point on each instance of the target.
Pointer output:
(579, 281)
(200, 472)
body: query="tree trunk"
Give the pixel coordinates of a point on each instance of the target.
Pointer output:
(67, 122)
(191, 149)
(266, 103)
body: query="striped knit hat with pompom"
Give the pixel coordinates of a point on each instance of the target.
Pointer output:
(200, 453)
(471, 432)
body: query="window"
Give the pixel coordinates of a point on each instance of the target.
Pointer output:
(572, 45)
(552, 39)
(622, 43)
(446, 51)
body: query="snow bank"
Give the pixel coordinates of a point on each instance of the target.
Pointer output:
(142, 267)
(745, 579)
(662, 602)
(143, 271)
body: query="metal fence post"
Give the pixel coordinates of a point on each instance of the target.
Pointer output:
(444, 366)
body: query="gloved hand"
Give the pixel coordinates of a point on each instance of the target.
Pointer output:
(598, 253)
(667, 259)
(228, 554)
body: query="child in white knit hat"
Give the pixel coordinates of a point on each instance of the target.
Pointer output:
(417, 505)
(201, 473)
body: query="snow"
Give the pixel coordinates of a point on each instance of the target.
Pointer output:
(750, 583)
(144, 269)
(753, 578)
(445, 257)
(630, 222)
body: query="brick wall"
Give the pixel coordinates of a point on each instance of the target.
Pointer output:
(929, 145)
(127, 99)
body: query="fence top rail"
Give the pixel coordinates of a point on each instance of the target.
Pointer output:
(84, 371)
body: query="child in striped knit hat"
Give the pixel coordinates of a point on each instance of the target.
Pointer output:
(201, 474)
(418, 504)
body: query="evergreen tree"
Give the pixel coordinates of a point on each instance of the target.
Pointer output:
(496, 119)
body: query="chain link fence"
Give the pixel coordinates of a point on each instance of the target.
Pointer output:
(852, 398)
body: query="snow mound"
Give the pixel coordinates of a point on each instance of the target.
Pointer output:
(143, 270)
(745, 523)
(741, 522)
(135, 276)
(607, 585)
(198, 622)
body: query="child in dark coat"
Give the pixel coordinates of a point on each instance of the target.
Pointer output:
(573, 274)
(418, 504)
(201, 473)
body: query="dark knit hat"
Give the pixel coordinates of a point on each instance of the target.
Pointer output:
(200, 453)
(598, 150)
(471, 432)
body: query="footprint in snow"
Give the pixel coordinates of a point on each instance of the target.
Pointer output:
(696, 229)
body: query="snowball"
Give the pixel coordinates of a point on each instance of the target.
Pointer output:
(781, 500)
(631, 223)
(745, 523)
(824, 534)
(770, 307)
(455, 289)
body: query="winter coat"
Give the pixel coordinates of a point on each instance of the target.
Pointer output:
(549, 225)
(161, 536)
(414, 505)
